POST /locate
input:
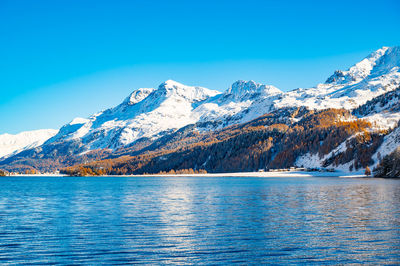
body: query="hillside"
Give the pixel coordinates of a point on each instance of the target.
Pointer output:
(174, 118)
(267, 142)
(13, 144)
(389, 167)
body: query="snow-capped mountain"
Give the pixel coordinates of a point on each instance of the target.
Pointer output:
(242, 102)
(376, 74)
(151, 113)
(12, 144)
(146, 113)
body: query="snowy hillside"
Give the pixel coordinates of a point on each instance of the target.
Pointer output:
(376, 74)
(11, 144)
(151, 113)
(242, 102)
(383, 111)
(369, 89)
(144, 114)
(373, 76)
(390, 143)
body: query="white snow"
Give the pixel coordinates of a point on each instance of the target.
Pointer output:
(12, 144)
(383, 120)
(246, 100)
(144, 114)
(310, 160)
(242, 102)
(376, 74)
(78, 120)
(151, 113)
(138, 95)
(390, 143)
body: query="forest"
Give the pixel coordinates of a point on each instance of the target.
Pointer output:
(272, 141)
(389, 167)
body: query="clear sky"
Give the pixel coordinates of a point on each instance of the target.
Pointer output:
(63, 59)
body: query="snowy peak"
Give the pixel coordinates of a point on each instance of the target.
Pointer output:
(378, 62)
(243, 89)
(192, 94)
(78, 121)
(138, 95)
(375, 75)
(145, 113)
(243, 101)
(148, 114)
(339, 77)
(169, 89)
(11, 144)
(389, 61)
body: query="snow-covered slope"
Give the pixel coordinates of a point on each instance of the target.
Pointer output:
(242, 102)
(376, 74)
(383, 111)
(390, 143)
(146, 113)
(11, 144)
(314, 160)
(149, 113)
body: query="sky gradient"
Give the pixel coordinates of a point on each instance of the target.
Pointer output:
(63, 59)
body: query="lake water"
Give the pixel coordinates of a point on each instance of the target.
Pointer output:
(199, 220)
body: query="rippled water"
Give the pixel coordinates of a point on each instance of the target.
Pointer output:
(199, 220)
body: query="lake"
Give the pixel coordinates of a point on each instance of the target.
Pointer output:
(199, 220)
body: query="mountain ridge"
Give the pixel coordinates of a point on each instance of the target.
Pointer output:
(13, 143)
(148, 114)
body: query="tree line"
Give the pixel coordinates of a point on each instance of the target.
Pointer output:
(271, 141)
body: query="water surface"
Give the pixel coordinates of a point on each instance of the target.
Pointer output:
(199, 220)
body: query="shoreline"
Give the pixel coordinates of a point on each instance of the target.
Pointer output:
(263, 174)
(236, 174)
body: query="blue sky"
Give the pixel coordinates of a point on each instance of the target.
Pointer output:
(63, 59)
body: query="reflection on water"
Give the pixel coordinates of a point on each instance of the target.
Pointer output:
(199, 220)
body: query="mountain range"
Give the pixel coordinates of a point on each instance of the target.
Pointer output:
(174, 118)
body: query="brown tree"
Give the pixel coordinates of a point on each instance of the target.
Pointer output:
(367, 171)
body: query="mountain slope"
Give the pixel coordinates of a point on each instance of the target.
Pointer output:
(383, 111)
(389, 166)
(146, 113)
(377, 74)
(242, 102)
(273, 140)
(152, 113)
(12, 144)
(149, 118)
